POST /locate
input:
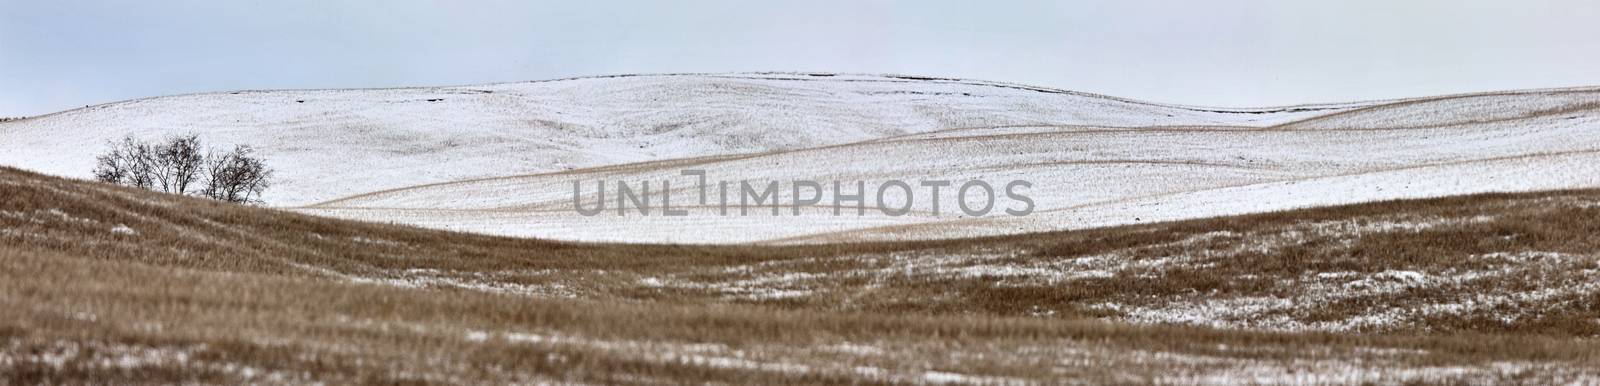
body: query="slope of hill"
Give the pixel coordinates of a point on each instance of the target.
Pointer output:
(103, 282)
(501, 159)
(1082, 176)
(334, 143)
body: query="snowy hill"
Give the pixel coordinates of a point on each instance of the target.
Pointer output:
(501, 158)
(332, 143)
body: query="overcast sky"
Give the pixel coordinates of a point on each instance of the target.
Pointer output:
(56, 55)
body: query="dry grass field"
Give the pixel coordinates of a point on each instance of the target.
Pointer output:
(103, 284)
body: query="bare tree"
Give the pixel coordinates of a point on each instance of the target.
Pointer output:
(129, 162)
(177, 164)
(113, 166)
(170, 166)
(235, 176)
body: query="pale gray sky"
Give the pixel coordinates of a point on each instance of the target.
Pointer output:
(56, 55)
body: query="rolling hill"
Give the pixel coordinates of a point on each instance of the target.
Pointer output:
(333, 143)
(502, 158)
(104, 283)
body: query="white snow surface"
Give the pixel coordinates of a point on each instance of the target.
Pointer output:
(502, 158)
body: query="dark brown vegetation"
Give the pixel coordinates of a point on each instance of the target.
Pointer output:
(108, 284)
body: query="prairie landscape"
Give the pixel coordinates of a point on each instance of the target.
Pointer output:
(109, 283)
(426, 235)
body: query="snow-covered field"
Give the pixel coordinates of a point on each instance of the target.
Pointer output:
(502, 158)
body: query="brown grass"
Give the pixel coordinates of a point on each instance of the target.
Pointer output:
(102, 284)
